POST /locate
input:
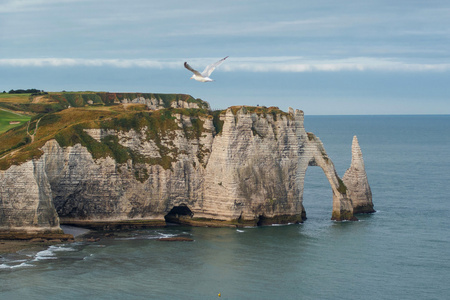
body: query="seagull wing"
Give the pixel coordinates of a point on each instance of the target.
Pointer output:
(209, 69)
(187, 66)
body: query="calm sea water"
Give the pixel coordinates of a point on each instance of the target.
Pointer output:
(400, 252)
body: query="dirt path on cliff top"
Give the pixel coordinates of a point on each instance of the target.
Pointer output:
(35, 130)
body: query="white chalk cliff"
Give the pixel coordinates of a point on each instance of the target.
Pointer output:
(250, 173)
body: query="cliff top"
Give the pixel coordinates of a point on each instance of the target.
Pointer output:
(64, 116)
(259, 110)
(57, 101)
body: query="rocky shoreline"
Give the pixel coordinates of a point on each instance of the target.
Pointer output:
(71, 234)
(11, 243)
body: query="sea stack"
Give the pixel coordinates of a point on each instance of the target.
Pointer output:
(355, 179)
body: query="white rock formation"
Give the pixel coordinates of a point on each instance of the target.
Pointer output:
(154, 103)
(26, 199)
(252, 172)
(355, 178)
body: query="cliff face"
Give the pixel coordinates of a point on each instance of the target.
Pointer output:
(26, 199)
(245, 167)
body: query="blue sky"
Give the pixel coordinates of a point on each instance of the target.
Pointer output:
(321, 56)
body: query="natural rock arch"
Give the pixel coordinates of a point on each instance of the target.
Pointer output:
(342, 204)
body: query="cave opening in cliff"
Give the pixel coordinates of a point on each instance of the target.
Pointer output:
(179, 214)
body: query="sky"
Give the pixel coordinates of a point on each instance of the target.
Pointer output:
(324, 57)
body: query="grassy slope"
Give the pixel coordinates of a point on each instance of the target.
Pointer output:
(15, 98)
(7, 116)
(67, 126)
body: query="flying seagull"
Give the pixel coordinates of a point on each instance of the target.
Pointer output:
(204, 76)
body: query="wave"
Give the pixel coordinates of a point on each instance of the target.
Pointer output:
(46, 254)
(22, 265)
(49, 253)
(153, 236)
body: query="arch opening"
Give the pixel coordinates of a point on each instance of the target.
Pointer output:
(180, 214)
(317, 197)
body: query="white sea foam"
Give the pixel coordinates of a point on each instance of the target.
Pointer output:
(284, 224)
(22, 265)
(240, 230)
(152, 236)
(89, 256)
(45, 254)
(62, 249)
(165, 235)
(49, 253)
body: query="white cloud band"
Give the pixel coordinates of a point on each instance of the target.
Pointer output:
(73, 62)
(239, 64)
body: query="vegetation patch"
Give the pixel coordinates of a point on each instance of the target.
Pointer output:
(15, 98)
(217, 122)
(27, 91)
(10, 120)
(64, 126)
(13, 139)
(261, 111)
(255, 132)
(20, 158)
(341, 188)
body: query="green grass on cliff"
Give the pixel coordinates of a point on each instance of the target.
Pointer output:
(57, 101)
(260, 110)
(67, 127)
(7, 116)
(15, 98)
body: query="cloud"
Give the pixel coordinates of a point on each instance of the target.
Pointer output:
(283, 64)
(301, 64)
(73, 62)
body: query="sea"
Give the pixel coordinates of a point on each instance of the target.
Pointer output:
(400, 252)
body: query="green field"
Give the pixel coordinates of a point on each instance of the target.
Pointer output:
(7, 116)
(15, 98)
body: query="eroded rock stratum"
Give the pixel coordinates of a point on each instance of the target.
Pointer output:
(238, 167)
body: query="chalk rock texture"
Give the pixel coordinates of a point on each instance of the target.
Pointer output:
(355, 178)
(155, 103)
(26, 199)
(249, 172)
